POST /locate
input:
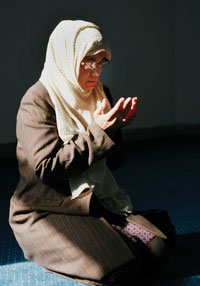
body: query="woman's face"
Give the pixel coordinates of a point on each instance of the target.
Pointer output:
(90, 70)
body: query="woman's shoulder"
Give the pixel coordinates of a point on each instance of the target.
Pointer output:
(37, 95)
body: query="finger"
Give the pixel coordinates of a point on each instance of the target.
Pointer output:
(129, 118)
(127, 102)
(134, 99)
(132, 112)
(122, 115)
(114, 112)
(134, 102)
(101, 108)
(126, 107)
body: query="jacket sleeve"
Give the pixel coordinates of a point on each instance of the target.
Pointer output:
(117, 156)
(38, 137)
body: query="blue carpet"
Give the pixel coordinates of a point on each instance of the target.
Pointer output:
(162, 174)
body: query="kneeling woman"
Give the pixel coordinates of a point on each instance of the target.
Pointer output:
(68, 213)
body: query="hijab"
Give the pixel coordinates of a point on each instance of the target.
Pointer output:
(68, 44)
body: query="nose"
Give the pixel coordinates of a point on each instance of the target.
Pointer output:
(96, 72)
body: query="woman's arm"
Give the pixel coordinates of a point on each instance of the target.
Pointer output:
(37, 135)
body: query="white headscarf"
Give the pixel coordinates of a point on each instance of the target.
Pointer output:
(68, 44)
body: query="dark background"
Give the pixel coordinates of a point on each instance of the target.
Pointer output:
(155, 56)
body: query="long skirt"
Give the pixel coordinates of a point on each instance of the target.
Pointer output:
(99, 249)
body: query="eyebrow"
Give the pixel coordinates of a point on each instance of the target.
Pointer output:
(89, 58)
(93, 58)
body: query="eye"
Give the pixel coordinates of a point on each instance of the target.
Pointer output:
(87, 63)
(104, 61)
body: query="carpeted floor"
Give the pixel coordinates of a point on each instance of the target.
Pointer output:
(157, 174)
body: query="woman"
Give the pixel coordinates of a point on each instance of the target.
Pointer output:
(67, 213)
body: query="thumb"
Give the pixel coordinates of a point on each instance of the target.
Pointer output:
(101, 108)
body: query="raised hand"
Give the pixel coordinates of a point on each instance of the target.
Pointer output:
(120, 115)
(132, 112)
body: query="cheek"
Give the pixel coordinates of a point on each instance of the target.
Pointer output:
(83, 75)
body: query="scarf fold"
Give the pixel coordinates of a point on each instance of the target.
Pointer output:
(68, 44)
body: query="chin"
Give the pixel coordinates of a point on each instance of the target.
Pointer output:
(90, 87)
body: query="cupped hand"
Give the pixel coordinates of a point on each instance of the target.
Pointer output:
(132, 112)
(120, 115)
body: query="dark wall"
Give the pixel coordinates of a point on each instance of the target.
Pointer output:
(188, 61)
(142, 35)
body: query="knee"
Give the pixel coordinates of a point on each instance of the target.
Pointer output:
(157, 254)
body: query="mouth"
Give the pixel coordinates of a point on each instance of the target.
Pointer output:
(93, 82)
